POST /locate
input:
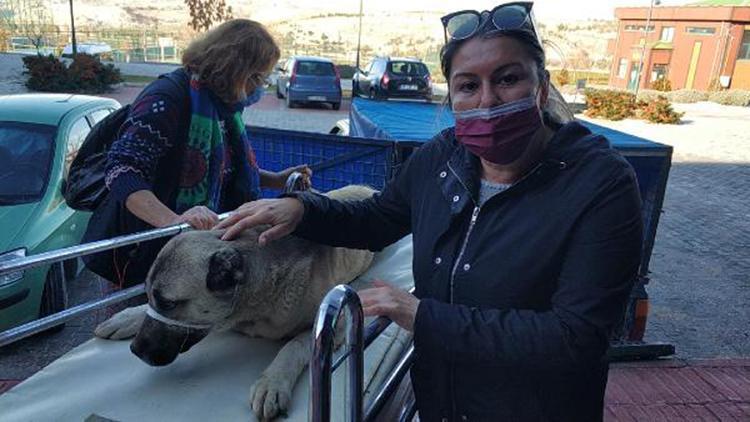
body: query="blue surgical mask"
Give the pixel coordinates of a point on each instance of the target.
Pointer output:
(254, 97)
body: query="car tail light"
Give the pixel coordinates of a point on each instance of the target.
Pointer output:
(338, 76)
(385, 80)
(639, 322)
(428, 79)
(293, 78)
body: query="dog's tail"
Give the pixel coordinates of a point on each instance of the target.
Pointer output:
(351, 193)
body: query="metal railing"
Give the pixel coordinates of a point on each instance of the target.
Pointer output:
(321, 367)
(59, 255)
(335, 302)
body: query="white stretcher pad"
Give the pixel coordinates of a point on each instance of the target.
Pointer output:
(210, 382)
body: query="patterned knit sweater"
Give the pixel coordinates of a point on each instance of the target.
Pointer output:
(158, 119)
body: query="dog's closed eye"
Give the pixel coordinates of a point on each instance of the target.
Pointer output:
(163, 304)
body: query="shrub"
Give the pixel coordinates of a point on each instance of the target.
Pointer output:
(662, 85)
(85, 74)
(609, 104)
(735, 97)
(687, 96)
(658, 110)
(649, 94)
(562, 78)
(618, 105)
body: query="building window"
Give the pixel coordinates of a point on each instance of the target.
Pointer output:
(667, 34)
(700, 30)
(659, 71)
(745, 47)
(622, 70)
(639, 28)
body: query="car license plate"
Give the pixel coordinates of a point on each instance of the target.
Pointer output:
(316, 98)
(408, 87)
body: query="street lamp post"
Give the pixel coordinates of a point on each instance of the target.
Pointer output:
(73, 29)
(643, 47)
(359, 36)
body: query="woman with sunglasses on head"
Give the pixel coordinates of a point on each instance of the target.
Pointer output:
(526, 233)
(182, 154)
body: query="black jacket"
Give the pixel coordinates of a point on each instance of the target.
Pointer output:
(518, 298)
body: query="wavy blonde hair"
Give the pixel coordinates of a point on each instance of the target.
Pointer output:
(226, 56)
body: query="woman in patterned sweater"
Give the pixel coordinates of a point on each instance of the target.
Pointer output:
(182, 154)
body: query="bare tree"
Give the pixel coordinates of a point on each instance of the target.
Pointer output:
(205, 13)
(28, 18)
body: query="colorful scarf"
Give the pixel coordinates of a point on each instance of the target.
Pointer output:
(205, 159)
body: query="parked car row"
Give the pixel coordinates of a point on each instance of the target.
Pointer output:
(308, 80)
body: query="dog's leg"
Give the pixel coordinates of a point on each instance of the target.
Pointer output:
(122, 325)
(272, 393)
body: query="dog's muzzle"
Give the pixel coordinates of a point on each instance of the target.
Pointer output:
(160, 338)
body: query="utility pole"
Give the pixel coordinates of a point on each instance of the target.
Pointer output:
(643, 47)
(359, 37)
(73, 29)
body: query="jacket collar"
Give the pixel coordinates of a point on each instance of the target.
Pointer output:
(460, 175)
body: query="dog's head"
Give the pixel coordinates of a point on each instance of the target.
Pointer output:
(192, 286)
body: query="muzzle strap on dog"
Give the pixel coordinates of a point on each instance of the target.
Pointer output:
(159, 317)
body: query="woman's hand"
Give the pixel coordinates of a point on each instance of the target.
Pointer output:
(200, 218)
(282, 214)
(385, 300)
(278, 180)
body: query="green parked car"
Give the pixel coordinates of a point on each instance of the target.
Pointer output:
(40, 134)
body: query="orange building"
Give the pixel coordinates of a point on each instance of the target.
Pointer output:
(691, 46)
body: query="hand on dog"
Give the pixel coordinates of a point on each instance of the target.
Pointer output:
(385, 300)
(282, 214)
(200, 218)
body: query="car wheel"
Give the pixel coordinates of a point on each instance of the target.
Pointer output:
(336, 106)
(55, 294)
(289, 102)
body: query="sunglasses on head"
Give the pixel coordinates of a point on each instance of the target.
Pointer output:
(505, 17)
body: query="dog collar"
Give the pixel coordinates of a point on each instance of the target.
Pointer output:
(159, 317)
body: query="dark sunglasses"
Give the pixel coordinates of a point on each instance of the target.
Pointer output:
(505, 17)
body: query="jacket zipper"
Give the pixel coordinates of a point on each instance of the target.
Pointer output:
(474, 217)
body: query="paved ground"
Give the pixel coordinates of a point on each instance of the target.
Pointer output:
(700, 266)
(699, 390)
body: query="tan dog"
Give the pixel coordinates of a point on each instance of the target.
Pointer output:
(199, 283)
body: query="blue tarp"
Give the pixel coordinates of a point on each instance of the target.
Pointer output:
(412, 121)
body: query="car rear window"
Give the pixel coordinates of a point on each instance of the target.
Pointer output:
(26, 151)
(315, 68)
(407, 68)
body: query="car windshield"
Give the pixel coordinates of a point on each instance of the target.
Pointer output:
(315, 69)
(407, 68)
(25, 159)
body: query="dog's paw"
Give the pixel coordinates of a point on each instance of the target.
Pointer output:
(122, 325)
(270, 396)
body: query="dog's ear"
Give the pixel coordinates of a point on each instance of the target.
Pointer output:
(225, 270)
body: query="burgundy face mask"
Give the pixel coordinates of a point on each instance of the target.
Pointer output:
(499, 134)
